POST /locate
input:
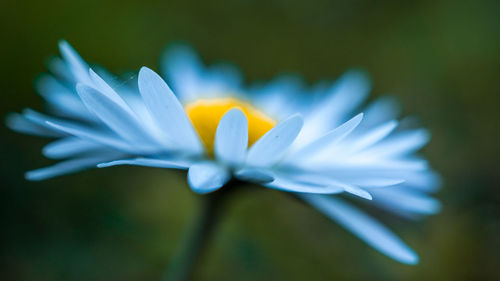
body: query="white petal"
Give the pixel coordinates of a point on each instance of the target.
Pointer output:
(39, 119)
(89, 134)
(62, 100)
(327, 140)
(354, 190)
(375, 135)
(271, 147)
(149, 162)
(376, 182)
(70, 146)
(231, 138)
(205, 177)
(325, 180)
(120, 119)
(404, 200)
(286, 183)
(183, 69)
(69, 166)
(105, 89)
(77, 65)
(167, 111)
(255, 175)
(381, 110)
(363, 226)
(21, 124)
(340, 100)
(401, 144)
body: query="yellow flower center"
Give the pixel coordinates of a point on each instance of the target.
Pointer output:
(205, 115)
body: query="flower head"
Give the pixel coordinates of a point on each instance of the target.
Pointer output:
(311, 142)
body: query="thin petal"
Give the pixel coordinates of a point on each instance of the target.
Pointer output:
(231, 138)
(89, 134)
(69, 146)
(62, 100)
(105, 89)
(183, 69)
(255, 175)
(19, 123)
(375, 135)
(401, 144)
(271, 147)
(69, 166)
(77, 65)
(340, 100)
(282, 182)
(354, 190)
(363, 226)
(118, 118)
(404, 200)
(167, 111)
(149, 162)
(328, 140)
(205, 177)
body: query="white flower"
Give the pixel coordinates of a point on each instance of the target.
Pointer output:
(279, 135)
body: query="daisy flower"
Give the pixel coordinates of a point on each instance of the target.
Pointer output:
(312, 142)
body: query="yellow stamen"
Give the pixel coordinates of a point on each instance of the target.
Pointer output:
(205, 115)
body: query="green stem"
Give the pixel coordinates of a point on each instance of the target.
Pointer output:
(193, 244)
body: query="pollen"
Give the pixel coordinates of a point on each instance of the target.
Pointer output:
(205, 115)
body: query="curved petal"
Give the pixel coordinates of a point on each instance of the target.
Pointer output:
(21, 124)
(302, 186)
(205, 177)
(70, 146)
(271, 147)
(182, 68)
(402, 200)
(168, 111)
(255, 175)
(78, 67)
(117, 117)
(231, 138)
(69, 166)
(375, 135)
(327, 140)
(347, 93)
(88, 134)
(363, 226)
(149, 162)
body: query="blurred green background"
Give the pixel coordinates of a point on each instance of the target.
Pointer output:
(441, 59)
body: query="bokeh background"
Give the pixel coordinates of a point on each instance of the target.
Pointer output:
(440, 58)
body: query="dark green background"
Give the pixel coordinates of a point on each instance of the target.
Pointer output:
(441, 59)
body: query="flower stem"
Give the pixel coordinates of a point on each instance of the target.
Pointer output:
(195, 241)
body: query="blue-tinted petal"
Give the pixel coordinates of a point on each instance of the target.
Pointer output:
(90, 134)
(255, 175)
(168, 112)
(271, 147)
(149, 162)
(19, 123)
(327, 140)
(117, 117)
(70, 146)
(338, 103)
(405, 200)
(304, 185)
(78, 67)
(363, 226)
(182, 68)
(401, 144)
(231, 138)
(205, 177)
(375, 135)
(69, 166)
